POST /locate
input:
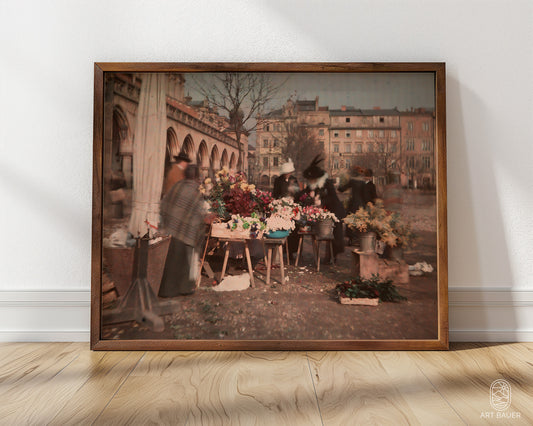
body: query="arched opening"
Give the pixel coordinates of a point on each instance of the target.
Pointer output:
(265, 181)
(202, 159)
(232, 161)
(273, 179)
(172, 149)
(224, 160)
(188, 147)
(214, 159)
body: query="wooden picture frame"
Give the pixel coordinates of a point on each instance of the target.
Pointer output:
(127, 77)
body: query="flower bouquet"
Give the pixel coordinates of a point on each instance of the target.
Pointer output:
(361, 291)
(282, 220)
(229, 194)
(240, 227)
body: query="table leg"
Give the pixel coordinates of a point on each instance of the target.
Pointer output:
(281, 266)
(317, 255)
(249, 261)
(226, 255)
(299, 250)
(287, 250)
(269, 264)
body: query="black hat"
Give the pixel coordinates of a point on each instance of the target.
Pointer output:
(313, 171)
(182, 156)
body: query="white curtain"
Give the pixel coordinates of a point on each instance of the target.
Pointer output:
(149, 154)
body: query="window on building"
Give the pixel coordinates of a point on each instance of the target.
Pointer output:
(336, 147)
(266, 127)
(426, 162)
(348, 134)
(336, 164)
(370, 148)
(426, 146)
(359, 148)
(358, 133)
(348, 164)
(393, 148)
(425, 127)
(321, 145)
(275, 161)
(265, 161)
(381, 133)
(335, 134)
(347, 148)
(381, 120)
(347, 119)
(409, 125)
(321, 132)
(370, 133)
(276, 143)
(393, 133)
(411, 162)
(278, 127)
(381, 147)
(265, 143)
(410, 145)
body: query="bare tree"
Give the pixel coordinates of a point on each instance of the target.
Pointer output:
(240, 96)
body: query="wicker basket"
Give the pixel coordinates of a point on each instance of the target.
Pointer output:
(119, 261)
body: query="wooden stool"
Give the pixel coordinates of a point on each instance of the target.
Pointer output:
(276, 243)
(227, 242)
(302, 235)
(316, 246)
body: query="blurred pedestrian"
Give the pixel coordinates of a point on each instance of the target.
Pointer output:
(356, 184)
(182, 216)
(286, 185)
(176, 172)
(322, 189)
(369, 191)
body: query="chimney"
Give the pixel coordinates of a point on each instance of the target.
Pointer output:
(376, 108)
(343, 108)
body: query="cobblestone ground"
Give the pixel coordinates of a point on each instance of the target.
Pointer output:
(305, 306)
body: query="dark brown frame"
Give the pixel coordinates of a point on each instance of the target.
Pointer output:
(97, 343)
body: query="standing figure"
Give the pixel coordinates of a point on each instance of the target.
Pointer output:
(286, 185)
(357, 199)
(323, 191)
(176, 172)
(369, 192)
(182, 216)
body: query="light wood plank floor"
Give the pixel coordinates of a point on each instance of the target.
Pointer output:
(66, 383)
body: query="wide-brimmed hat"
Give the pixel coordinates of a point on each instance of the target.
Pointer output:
(314, 171)
(182, 156)
(287, 167)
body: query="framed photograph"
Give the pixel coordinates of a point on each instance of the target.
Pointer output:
(269, 206)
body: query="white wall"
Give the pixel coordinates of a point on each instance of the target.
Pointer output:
(46, 77)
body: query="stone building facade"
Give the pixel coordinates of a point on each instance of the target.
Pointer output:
(388, 141)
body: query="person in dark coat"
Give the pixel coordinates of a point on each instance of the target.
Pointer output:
(320, 187)
(369, 191)
(356, 184)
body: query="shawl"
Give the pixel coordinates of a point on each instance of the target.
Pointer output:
(182, 213)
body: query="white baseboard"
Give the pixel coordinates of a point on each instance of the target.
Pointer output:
(476, 315)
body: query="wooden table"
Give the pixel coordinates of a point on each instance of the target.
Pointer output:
(227, 242)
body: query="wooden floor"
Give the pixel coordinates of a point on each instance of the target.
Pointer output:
(66, 383)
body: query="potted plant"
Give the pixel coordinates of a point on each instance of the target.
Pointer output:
(400, 239)
(321, 220)
(371, 291)
(372, 221)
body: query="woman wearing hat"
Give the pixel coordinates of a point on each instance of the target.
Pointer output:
(176, 172)
(323, 191)
(286, 185)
